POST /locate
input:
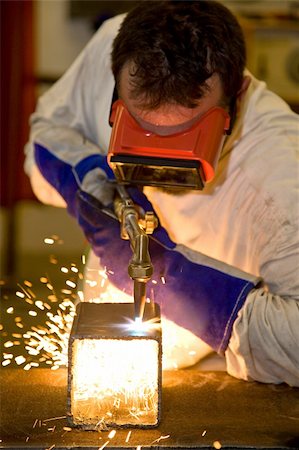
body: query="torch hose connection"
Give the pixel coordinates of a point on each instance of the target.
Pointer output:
(140, 268)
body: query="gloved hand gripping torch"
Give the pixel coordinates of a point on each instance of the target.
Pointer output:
(135, 226)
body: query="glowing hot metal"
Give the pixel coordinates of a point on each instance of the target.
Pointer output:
(114, 373)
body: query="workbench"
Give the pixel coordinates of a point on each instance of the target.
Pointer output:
(200, 410)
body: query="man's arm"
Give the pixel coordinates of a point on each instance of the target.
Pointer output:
(264, 345)
(72, 118)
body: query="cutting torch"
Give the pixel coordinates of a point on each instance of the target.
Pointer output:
(135, 225)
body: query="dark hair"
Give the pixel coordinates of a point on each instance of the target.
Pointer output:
(175, 46)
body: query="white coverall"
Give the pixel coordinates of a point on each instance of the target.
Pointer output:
(247, 216)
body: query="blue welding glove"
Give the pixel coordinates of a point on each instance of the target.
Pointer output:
(91, 174)
(194, 291)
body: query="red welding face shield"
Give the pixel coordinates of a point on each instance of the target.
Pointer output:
(183, 160)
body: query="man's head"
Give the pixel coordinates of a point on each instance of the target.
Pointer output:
(177, 52)
(174, 62)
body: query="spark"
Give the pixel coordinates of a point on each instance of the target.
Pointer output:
(91, 283)
(20, 359)
(66, 291)
(49, 241)
(161, 438)
(54, 418)
(217, 445)
(6, 362)
(51, 448)
(204, 433)
(104, 445)
(103, 274)
(27, 291)
(128, 436)
(39, 304)
(112, 434)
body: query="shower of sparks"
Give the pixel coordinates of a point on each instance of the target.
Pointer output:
(42, 343)
(45, 342)
(115, 380)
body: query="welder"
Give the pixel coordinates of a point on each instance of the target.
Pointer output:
(160, 101)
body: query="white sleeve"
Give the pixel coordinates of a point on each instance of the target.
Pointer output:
(72, 118)
(264, 345)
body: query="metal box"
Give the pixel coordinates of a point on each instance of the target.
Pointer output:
(115, 366)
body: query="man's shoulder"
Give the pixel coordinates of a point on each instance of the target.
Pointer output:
(110, 27)
(270, 159)
(265, 153)
(263, 110)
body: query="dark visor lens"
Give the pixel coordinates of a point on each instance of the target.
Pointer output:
(157, 172)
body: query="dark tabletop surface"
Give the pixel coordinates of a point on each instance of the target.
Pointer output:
(199, 410)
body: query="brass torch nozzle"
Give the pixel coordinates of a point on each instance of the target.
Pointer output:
(140, 268)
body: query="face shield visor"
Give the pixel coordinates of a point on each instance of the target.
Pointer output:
(186, 159)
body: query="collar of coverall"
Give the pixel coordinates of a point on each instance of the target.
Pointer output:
(187, 158)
